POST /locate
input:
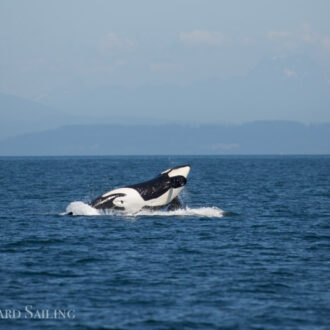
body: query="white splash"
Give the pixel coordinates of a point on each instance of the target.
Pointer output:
(82, 209)
(207, 212)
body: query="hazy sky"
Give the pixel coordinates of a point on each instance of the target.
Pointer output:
(62, 45)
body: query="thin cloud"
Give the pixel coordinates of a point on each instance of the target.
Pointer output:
(290, 73)
(304, 36)
(326, 42)
(300, 38)
(273, 34)
(113, 43)
(202, 37)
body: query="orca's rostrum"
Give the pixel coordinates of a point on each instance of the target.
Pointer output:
(156, 193)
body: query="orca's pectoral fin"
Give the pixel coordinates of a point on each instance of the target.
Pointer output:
(175, 204)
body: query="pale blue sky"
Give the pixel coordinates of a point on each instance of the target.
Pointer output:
(53, 48)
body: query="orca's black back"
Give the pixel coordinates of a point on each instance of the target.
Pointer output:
(156, 187)
(153, 188)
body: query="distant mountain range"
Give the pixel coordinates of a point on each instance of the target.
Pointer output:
(119, 120)
(20, 116)
(276, 89)
(261, 137)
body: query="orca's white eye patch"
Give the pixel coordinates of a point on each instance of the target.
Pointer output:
(166, 171)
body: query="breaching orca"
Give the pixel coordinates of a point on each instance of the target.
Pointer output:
(156, 193)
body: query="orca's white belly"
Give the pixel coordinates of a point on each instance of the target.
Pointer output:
(164, 199)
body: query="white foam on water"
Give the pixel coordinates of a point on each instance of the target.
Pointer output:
(207, 212)
(83, 209)
(80, 208)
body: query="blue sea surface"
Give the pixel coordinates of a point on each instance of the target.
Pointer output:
(251, 249)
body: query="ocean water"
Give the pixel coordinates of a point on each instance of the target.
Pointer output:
(250, 250)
